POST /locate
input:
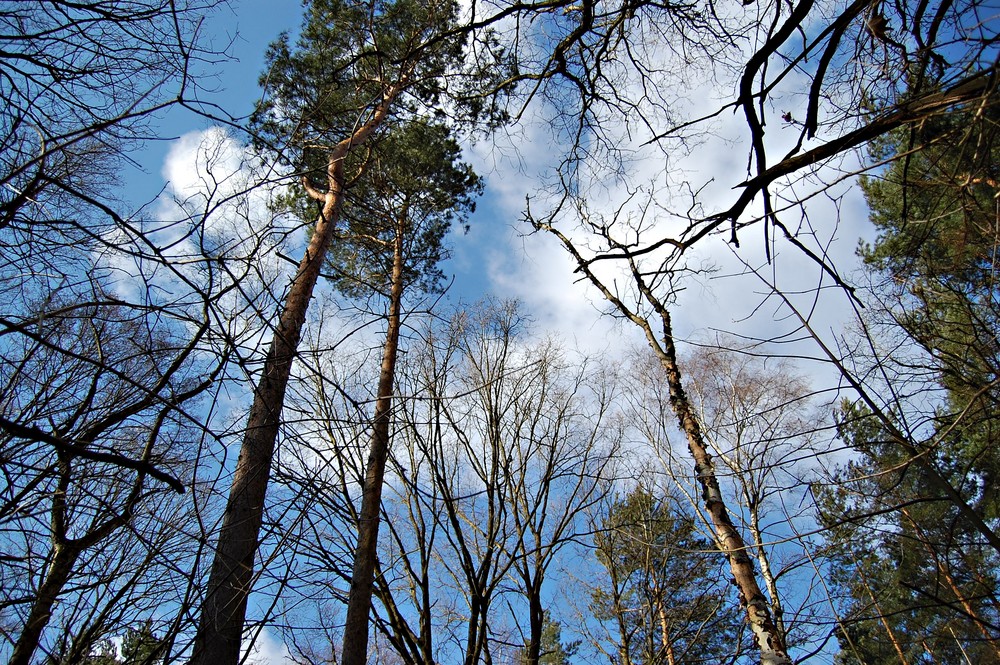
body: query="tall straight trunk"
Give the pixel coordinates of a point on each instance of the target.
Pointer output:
(666, 645)
(220, 630)
(359, 600)
(223, 612)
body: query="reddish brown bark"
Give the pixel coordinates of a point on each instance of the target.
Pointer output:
(359, 600)
(223, 612)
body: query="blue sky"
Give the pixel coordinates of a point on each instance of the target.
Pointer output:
(244, 29)
(496, 257)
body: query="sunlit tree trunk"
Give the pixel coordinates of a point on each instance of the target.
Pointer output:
(766, 573)
(355, 648)
(665, 643)
(220, 629)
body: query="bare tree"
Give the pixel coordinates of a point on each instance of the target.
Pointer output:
(112, 394)
(81, 82)
(903, 76)
(102, 367)
(728, 539)
(568, 443)
(488, 422)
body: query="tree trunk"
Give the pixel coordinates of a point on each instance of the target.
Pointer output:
(536, 621)
(768, 638)
(666, 646)
(59, 569)
(220, 630)
(777, 610)
(223, 612)
(359, 600)
(766, 635)
(665, 643)
(66, 552)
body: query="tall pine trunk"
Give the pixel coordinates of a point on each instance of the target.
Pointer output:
(220, 630)
(223, 612)
(355, 647)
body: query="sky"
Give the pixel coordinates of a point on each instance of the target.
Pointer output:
(499, 257)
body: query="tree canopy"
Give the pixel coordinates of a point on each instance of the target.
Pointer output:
(250, 413)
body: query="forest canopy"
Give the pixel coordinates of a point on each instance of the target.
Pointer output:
(541, 332)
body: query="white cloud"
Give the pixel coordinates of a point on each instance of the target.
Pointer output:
(211, 236)
(268, 650)
(706, 170)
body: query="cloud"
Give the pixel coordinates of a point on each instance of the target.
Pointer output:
(212, 241)
(268, 650)
(664, 188)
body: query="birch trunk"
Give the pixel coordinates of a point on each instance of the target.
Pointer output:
(770, 583)
(768, 638)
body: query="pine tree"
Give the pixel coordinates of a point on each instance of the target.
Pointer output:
(552, 650)
(412, 189)
(917, 583)
(659, 596)
(936, 214)
(922, 587)
(357, 67)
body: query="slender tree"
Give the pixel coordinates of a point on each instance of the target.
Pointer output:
(769, 640)
(413, 187)
(489, 422)
(356, 66)
(762, 427)
(110, 391)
